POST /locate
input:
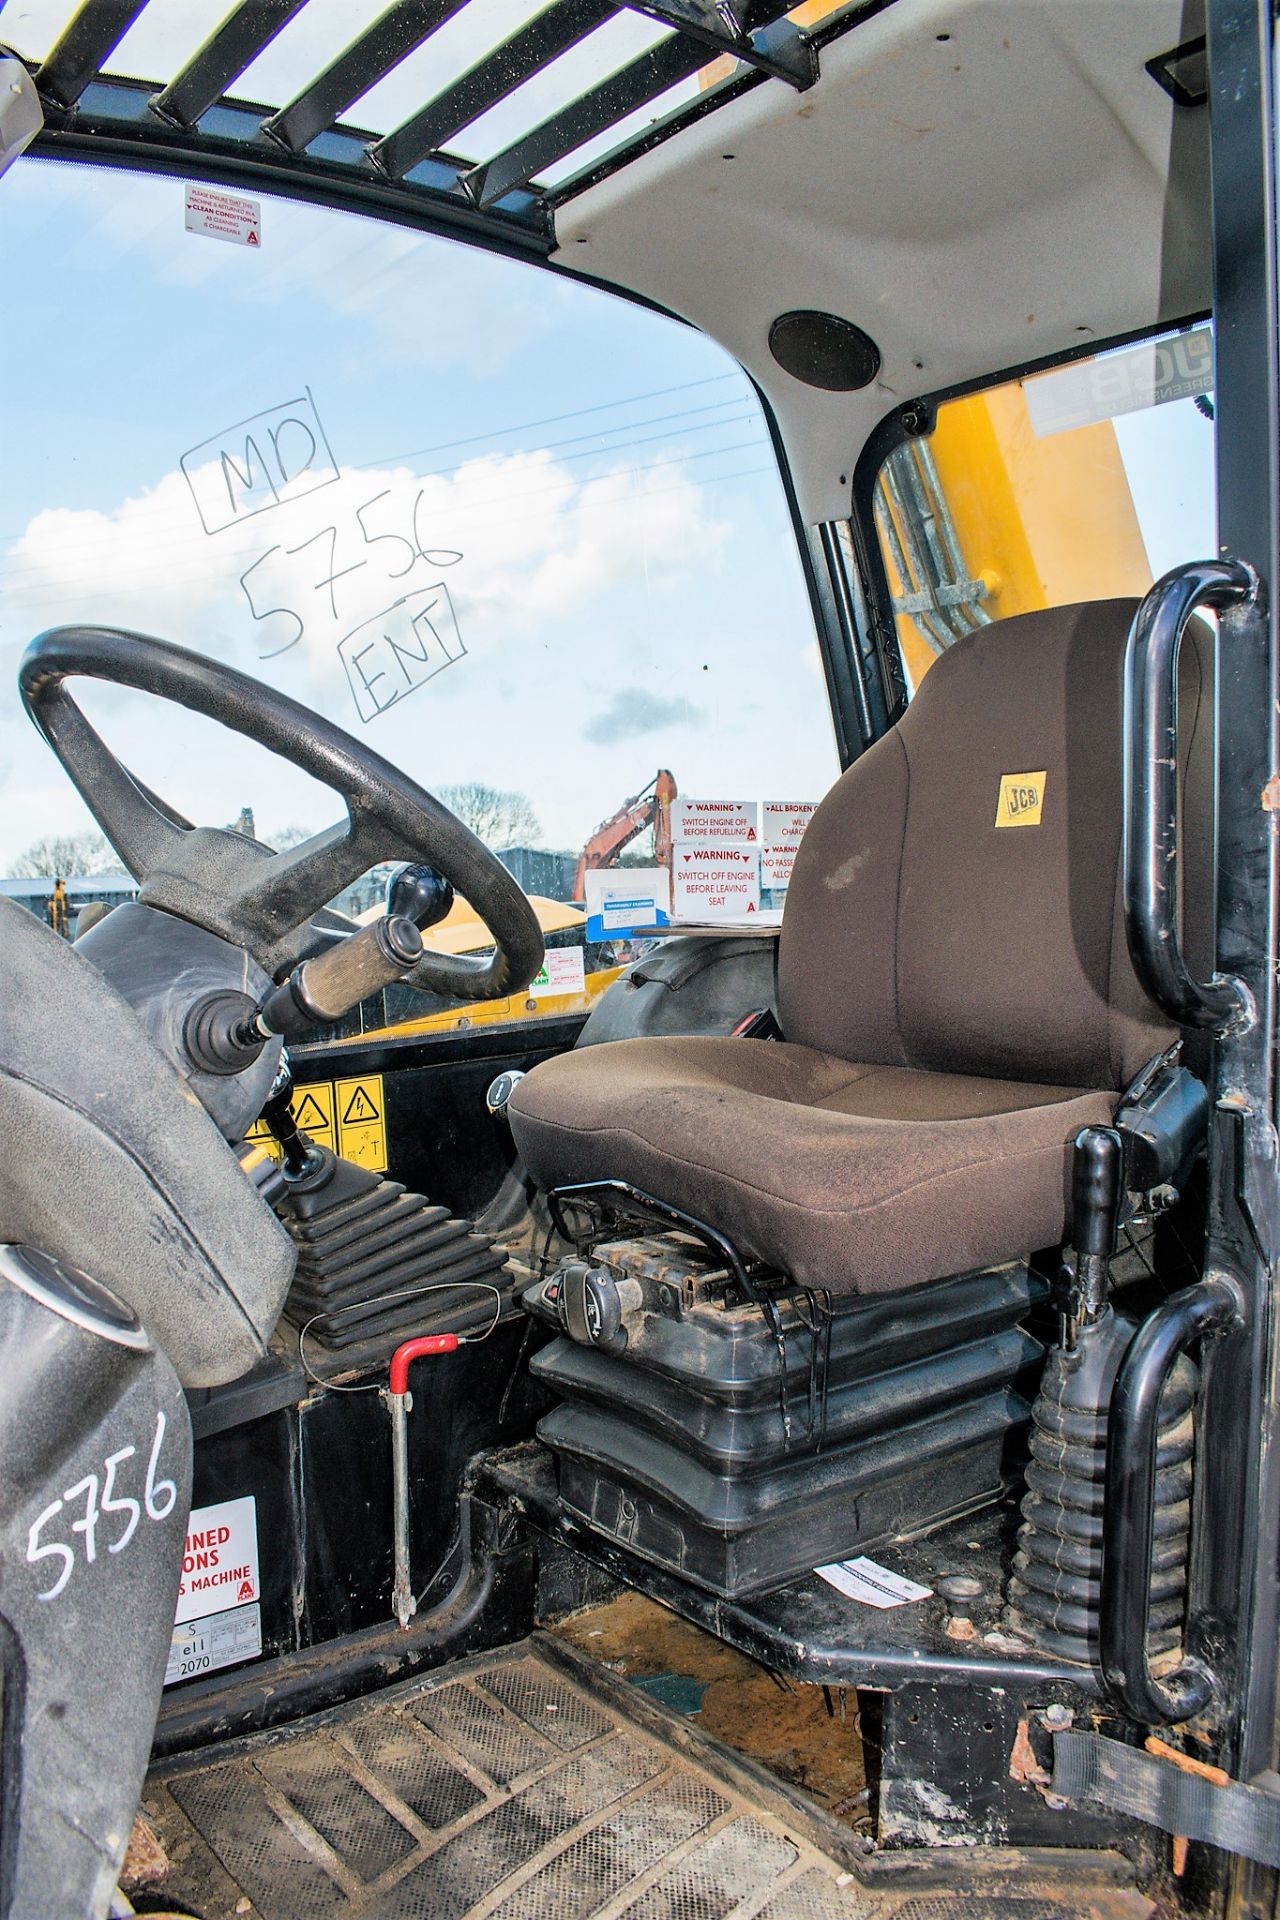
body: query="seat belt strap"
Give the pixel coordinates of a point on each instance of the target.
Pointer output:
(1238, 1818)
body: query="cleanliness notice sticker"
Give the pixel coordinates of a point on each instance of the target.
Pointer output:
(220, 1640)
(626, 899)
(873, 1585)
(224, 216)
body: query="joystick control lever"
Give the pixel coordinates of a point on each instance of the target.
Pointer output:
(225, 1032)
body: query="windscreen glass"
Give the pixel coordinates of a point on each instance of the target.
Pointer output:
(526, 540)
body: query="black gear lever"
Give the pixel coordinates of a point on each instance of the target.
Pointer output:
(1097, 1193)
(301, 1155)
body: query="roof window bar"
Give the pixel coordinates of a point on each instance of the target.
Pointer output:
(544, 39)
(89, 38)
(230, 48)
(393, 35)
(629, 89)
(756, 35)
(643, 80)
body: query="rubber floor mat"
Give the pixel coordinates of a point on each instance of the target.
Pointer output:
(498, 1791)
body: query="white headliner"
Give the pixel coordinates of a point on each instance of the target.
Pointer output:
(973, 203)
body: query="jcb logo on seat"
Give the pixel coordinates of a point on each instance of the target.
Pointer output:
(1020, 801)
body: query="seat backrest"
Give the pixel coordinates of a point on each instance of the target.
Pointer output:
(111, 1164)
(930, 925)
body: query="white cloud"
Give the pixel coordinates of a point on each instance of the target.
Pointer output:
(535, 543)
(540, 550)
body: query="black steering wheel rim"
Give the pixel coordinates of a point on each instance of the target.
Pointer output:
(260, 900)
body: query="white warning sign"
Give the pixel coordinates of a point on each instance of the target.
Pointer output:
(224, 216)
(775, 866)
(715, 882)
(219, 1640)
(715, 822)
(220, 1559)
(619, 902)
(784, 821)
(563, 970)
(875, 1586)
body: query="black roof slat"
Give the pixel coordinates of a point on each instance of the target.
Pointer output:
(230, 48)
(413, 177)
(628, 89)
(756, 35)
(393, 35)
(88, 39)
(544, 39)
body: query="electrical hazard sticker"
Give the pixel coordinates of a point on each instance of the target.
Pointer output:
(1021, 799)
(362, 1128)
(348, 1118)
(220, 1559)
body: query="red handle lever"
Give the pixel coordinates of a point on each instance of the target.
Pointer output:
(414, 1350)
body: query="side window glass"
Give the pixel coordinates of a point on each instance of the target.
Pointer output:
(1084, 483)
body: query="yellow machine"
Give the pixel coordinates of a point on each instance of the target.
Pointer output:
(462, 931)
(983, 519)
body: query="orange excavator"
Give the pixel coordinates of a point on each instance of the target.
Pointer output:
(652, 806)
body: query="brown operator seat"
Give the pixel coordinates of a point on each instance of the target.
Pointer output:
(957, 995)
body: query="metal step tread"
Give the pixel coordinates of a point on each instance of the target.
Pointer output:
(506, 1788)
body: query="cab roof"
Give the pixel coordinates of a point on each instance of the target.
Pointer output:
(977, 185)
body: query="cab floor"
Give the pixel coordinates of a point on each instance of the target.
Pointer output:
(512, 1788)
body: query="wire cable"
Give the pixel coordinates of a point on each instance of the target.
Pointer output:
(405, 1293)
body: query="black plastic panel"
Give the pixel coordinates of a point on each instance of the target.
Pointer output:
(738, 1447)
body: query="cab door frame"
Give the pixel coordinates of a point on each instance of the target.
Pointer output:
(1236, 1527)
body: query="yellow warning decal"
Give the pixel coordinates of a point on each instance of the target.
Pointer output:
(312, 1108)
(362, 1126)
(1021, 799)
(318, 1109)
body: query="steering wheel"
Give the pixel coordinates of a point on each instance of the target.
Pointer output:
(271, 904)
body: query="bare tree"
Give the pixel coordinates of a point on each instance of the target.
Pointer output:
(499, 818)
(67, 853)
(287, 837)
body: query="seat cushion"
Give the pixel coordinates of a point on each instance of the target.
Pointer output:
(862, 1179)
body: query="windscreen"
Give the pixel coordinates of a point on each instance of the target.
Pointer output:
(527, 540)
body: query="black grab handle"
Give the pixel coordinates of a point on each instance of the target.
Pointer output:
(1128, 1526)
(1151, 889)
